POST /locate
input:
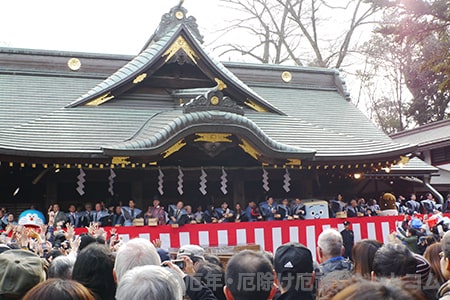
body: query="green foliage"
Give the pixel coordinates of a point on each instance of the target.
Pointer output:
(422, 27)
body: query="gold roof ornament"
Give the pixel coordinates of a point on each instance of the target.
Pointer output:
(180, 43)
(74, 64)
(220, 84)
(213, 137)
(214, 100)
(120, 160)
(255, 106)
(293, 162)
(100, 100)
(174, 148)
(179, 15)
(249, 149)
(286, 76)
(140, 78)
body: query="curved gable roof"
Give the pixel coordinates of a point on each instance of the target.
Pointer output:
(156, 55)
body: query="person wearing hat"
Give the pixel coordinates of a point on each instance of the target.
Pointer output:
(348, 238)
(293, 265)
(194, 252)
(21, 270)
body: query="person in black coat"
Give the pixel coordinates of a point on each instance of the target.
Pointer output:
(348, 239)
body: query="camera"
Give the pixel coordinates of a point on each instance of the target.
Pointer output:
(178, 262)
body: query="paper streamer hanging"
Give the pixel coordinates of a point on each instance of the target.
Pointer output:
(180, 181)
(223, 182)
(160, 182)
(80, 182)
(287, 181)
(203, 182)
(265, 180)
(111, 177)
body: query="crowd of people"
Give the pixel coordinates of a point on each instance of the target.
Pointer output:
(268, 210)
(51, 262)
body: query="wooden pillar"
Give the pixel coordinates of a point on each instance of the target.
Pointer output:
(238, 189)
(52, 193)
(137, 194)
(307, 190)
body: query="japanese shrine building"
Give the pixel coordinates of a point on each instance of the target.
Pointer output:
(174, 120)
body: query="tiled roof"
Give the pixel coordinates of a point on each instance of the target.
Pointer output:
(34, 127)
(426, 135)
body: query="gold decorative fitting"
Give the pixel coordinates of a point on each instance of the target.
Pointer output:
(249, 149)
(119, 160)
(179, 15)
(174, 148)
(214, 100)
(140, 78)
(74, 64)
(100, 100)
(213, 137)
(255, 106)
(180, 43)
(293, 162)
(220, 84)
(403, 160)
(286, 76)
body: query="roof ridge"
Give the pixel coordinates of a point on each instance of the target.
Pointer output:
(176, 16)
(429, 126)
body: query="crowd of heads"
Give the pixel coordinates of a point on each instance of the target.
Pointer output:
(140, 269)
(47, 262)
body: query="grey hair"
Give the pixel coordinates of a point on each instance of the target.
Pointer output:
(150, 283)
(330, 241)
(136, 252)
(61, 267)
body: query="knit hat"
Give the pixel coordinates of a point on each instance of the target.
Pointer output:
(293, 258)
(21, 270)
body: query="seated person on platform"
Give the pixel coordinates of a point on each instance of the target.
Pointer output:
(224, 213)
(190, 214)
(298, 209)
(210, 215)
(199, 215)
(268, 209)
(100, 216)
(130, 213)
(116, 218)
(86, 216)
(73, 216)
(156, 212)
(177, 214)
(59, 216)
(352, 209)
(252, 212)
(284, 211)
(337, 205)
(240, 215)
(429, 204)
